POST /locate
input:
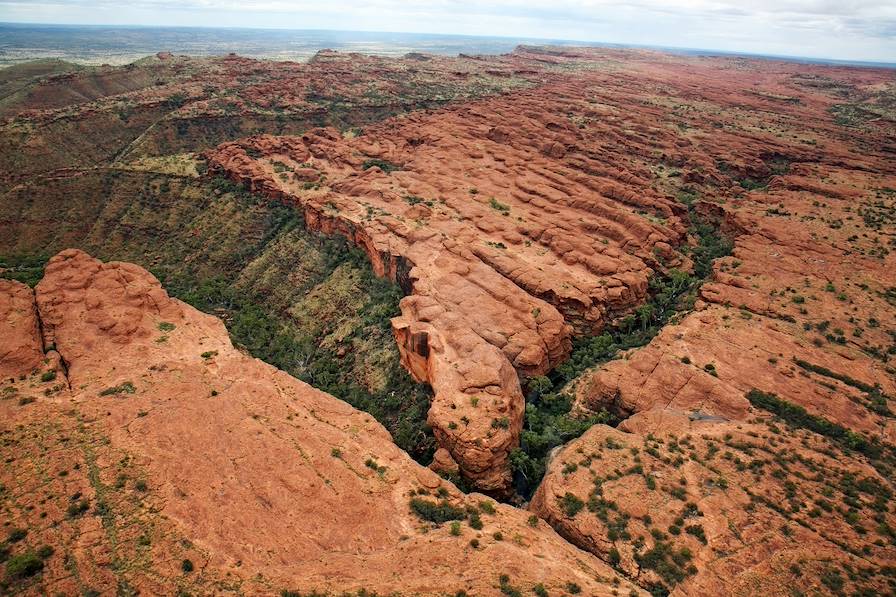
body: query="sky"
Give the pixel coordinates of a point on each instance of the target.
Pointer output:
(840, 29)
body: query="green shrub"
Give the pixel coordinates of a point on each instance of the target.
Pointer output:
(48, 376)
(374, 465)
(16, 535)
(665, 561)
(124, 388)
(697, 531)
(436, 512)
(45, 551)
(383, 165)
(496, 205)
(570, 504)
(186, 566)
(614, 557)
(833, 580)
(507, 588)
(23, 565)
(78, 508)
(475, 520)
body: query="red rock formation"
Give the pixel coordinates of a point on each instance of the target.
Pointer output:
(699, 489)
(20, 342)
(512, 222)
(275, 484)
(500, 245)
(519, 217)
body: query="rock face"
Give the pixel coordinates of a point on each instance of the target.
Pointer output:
(20, 342)
(170, 433)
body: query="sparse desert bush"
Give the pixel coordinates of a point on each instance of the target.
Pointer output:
(123, 388)
(383, 165)
(23, 565)
(437, 512)
(571, 504)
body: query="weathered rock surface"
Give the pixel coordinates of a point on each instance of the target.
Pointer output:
(20, 342)
(701, 490)
(513, 222)
(713, 507)
(169, 434)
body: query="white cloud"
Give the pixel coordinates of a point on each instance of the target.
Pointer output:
(849, 29)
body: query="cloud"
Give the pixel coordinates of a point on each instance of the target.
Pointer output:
(853, 29)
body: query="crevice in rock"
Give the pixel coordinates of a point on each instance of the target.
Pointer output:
(45, 347)
(550, 421)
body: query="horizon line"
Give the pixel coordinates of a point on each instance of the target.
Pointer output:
(709, 52)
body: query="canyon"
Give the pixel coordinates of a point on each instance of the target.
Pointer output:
(666, 280)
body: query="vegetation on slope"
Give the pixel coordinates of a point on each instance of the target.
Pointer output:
(306, 303)
(880, 455)
(25, 268)
(398, 402)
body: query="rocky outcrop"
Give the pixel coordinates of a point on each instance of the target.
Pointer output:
(275, 484)
(753, 420)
